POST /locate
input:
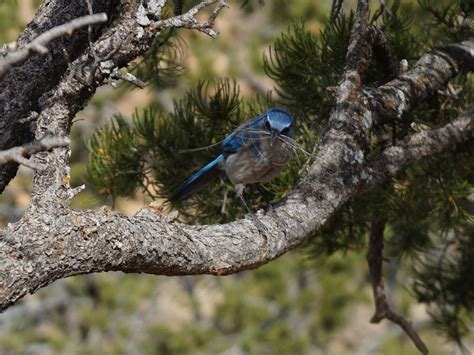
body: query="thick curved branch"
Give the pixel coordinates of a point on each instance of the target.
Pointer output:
(44, 247)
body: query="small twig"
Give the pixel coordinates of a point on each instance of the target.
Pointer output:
(18, 154)
(403, 66)
(224, 201)
(386, 9)
(450, 92)
(33, 116)
(104, 61)
(126, 76)
(89, 28)
(38, 44)
(382, 308)
(72, 192)
(5, 49)
(188, 20)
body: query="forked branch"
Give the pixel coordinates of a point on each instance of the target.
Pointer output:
(188, 20)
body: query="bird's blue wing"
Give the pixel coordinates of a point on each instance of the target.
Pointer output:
(199, 180)
(242, 135)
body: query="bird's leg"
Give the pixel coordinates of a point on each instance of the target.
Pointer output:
(224, 201)
(239, 190)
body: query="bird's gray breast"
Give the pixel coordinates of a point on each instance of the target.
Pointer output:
(258, 161)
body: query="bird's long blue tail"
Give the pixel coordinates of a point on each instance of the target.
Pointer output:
(199, 180)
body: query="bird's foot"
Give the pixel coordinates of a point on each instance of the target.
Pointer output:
(263, 230)
(239, 189)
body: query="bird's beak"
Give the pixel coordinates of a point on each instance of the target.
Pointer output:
(274, 135)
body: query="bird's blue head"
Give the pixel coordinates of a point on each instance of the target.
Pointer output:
(279, 122)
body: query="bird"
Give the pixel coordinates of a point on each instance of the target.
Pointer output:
(255, 152)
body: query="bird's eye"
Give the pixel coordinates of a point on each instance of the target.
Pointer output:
(285, 131)
(267, 125)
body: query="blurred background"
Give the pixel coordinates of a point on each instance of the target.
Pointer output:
(301, 303)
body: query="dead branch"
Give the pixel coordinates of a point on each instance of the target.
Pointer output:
(382, 308)
(38, 45)
(40, 74)
(131, 37)
(189, 21)
(18, 154)
(128, 77)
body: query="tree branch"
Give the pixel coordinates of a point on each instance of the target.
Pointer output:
(40, 74)
(116, 48)
(128, 77)
(431, 73)
(426, 143)
(91, 241)
(189, 21)
(382, 308)
(18, 154)
(80, 242)
(358, 54)
(38, 45)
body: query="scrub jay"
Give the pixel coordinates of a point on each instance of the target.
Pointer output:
(256, 151)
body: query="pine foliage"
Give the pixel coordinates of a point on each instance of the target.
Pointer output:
(161, 65)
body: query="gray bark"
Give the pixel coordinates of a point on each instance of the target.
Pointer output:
(24, 84)
(52, 241)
